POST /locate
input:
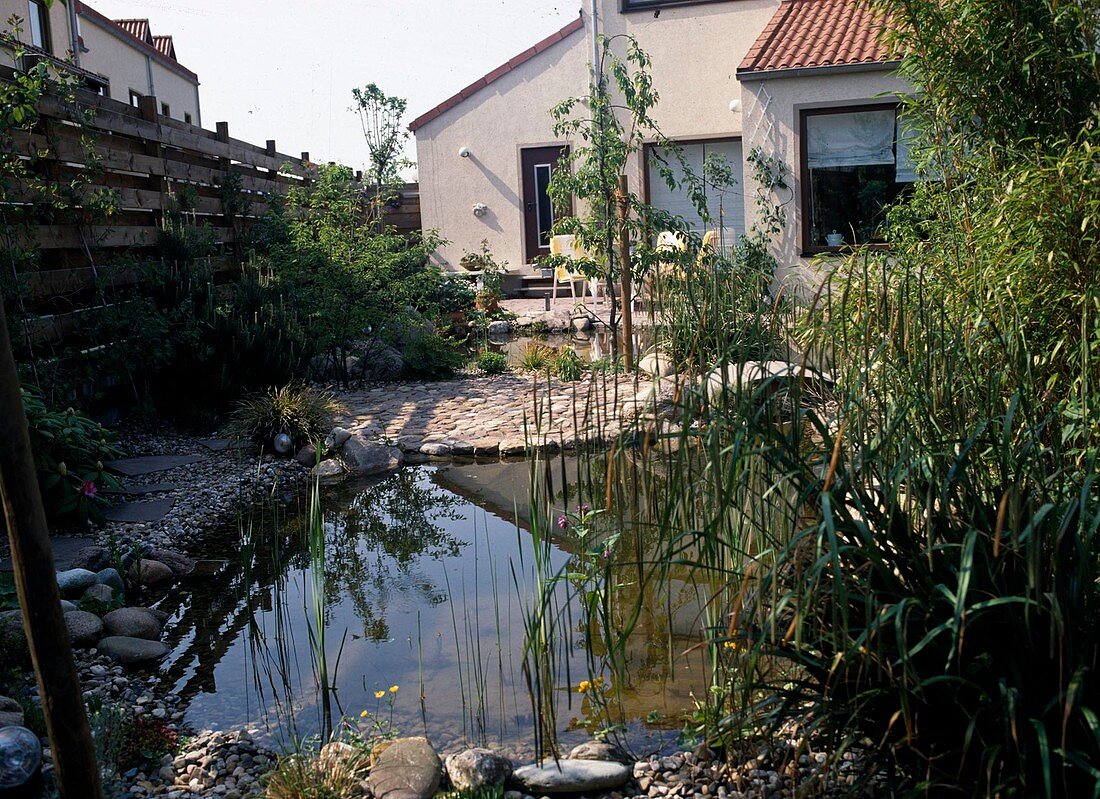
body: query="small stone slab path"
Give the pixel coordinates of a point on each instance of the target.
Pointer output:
(489, 415)
(148, 464)
(142, 490)
(151, 511)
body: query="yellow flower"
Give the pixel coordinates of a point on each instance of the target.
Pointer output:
(584, 686)
(363, 715)
(393, 689)
(379, 694)
(733, 646)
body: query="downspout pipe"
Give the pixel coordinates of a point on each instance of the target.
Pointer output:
(74, 32)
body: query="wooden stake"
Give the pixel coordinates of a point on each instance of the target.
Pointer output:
(32, 561)
(625, 278)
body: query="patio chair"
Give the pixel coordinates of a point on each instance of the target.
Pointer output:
(708, 247)
(567, 246)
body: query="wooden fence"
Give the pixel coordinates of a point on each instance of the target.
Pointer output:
(148, 162)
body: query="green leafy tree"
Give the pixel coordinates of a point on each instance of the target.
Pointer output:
(380, 115)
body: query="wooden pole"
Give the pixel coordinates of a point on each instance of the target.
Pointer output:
(36, 582)
(625, 277)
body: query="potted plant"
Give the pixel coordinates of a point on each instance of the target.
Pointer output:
(491, 279)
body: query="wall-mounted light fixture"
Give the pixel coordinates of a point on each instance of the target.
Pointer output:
(464, 152)
(735, 106)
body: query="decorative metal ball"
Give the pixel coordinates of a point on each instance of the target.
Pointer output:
(20, 756)
(283, 443)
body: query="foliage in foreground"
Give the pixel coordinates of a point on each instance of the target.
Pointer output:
(295, 409)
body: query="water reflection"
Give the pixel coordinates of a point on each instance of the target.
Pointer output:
(427, 575)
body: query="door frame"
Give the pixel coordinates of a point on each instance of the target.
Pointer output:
(566, 147)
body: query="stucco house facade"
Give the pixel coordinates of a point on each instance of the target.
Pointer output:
(122, 59)
(792, 77)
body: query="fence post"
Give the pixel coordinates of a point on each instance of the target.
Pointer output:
(39, 598)
(147, 105)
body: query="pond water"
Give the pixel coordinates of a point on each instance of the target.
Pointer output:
(428, 576)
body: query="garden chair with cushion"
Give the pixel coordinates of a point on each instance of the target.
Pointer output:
(567, 246)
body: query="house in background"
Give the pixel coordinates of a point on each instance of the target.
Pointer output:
(804, 80)
(122, 59)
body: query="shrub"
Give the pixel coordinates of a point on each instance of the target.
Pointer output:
(536, 356)
(492, 363)
(569, 365)
(295, 409)
(429, 356)
(69, 449)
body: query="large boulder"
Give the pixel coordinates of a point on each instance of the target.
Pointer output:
(381, 364)
(365, 457)
(601, 750)
(571, 776)
(656, 364)
(11, 712)
(307, 455)
(75, 582)
(126, 649)
(150, 572)
(85, 629)
(180, 564)
(329, 472)
(477, 768)
(92, 558)
(100, 593)
(408, 768)
(110, 577)
(133, 623)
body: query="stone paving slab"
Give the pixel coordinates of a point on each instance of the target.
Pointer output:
(151, 511)
(63, 546)
(490, 415)
(148, 464)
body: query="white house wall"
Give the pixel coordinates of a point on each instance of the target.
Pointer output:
(771, 110)
(695, 52)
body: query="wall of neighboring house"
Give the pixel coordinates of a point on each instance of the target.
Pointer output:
(780, 100)
(112, 52)
(495, 123)
(58, 15)
(695, 52)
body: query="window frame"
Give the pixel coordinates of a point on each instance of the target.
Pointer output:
(649, 147)
(187, 117)
(135, 99)
(810, 249)
(165, 110)
(637, 6)
(36, 8)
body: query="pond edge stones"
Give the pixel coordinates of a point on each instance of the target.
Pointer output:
(408, 768)
(477, 768)
(571, 776)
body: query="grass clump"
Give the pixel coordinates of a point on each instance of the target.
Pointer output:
(492, 363)
(536, 357)
(338, 771)
(295, 409)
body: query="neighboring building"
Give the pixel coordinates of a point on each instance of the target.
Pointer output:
(122, 59)
(731, 76)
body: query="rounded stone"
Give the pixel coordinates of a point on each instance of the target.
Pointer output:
(75, 582)
(132, 623)
(408, 768)
(85, 629)
(126, 649)
(111, 577)
(99, 592)
(477, 768)
(150, 572)
(571, 776)
(180, 564)
(11, 712)
(600, 750)
(92, 558)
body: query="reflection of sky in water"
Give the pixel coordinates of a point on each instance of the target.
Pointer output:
(396, 550)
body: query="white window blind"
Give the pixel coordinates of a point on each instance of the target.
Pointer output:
(859, 138)
(731, 199)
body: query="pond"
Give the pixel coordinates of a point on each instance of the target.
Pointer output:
(429, 580)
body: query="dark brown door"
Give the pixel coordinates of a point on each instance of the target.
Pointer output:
(538, 165)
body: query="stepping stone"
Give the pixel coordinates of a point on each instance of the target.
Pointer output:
(152, 511)
(141, 490)
(217, 444)
(148, 464)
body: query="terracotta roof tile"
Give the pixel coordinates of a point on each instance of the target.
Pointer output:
(498, 73)
(138, 28)
(818, 33)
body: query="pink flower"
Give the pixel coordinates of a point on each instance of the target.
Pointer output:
(89, 489)
(584, 509)
(562, 522)
(607, 554)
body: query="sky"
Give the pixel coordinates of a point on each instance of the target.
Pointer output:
(284, 69)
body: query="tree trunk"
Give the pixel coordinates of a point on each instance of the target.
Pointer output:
(625, 277)
(32, 561)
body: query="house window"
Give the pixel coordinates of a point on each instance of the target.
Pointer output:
(187, 117)
(725, 203)
(39, 21)
(165, 110)
(654, 5)
(852, 170)
(135, 99)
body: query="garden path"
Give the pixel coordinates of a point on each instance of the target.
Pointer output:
(490, 415)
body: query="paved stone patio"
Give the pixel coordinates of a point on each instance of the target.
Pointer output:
(489, 415)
